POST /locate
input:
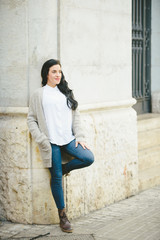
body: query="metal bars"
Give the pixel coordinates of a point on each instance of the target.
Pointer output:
(141, 22)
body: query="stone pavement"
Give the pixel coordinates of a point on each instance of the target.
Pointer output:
(135, 218)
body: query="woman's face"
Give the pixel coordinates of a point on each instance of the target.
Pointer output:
(54, 75)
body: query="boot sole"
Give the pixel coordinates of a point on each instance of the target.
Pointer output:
(67, 230)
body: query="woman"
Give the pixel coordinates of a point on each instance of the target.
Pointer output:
(53, 120)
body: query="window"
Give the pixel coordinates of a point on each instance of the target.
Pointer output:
(141, 55)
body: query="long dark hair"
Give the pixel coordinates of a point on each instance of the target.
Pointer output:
(63, 85)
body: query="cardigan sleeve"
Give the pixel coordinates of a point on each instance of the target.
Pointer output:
(77, 126)
(32, 122)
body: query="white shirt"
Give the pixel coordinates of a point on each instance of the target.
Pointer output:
(58, 116)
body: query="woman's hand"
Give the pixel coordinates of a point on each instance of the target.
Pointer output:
(82, 144)
(45, 145)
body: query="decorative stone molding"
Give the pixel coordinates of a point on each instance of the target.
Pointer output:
(83, 108)
(108, 105)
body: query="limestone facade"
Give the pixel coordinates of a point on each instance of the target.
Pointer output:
(25, 185)
(93, 41)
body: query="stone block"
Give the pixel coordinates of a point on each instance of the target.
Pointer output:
(156, 102)
(15, 197)
(13, 50)
(149, 139)
(148, 158)
(113, 175)
(149, 178)
(15, 181)
(28, 39)
(92, 60)
(44, 210)
(148, 150)
(14, 142)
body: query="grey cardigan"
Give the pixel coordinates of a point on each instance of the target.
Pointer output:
(38, 129)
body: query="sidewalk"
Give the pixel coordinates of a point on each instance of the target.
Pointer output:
(135, 218)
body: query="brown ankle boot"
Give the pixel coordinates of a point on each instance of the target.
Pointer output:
(64, 222)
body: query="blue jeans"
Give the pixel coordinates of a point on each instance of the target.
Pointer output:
(82, 158)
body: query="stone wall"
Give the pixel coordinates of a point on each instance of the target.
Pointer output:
(93, 41)
(95, 49)
(28, 38)
(113, 176)
(15, 165)
(25, 184)
(156, 102)
(148, 150)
